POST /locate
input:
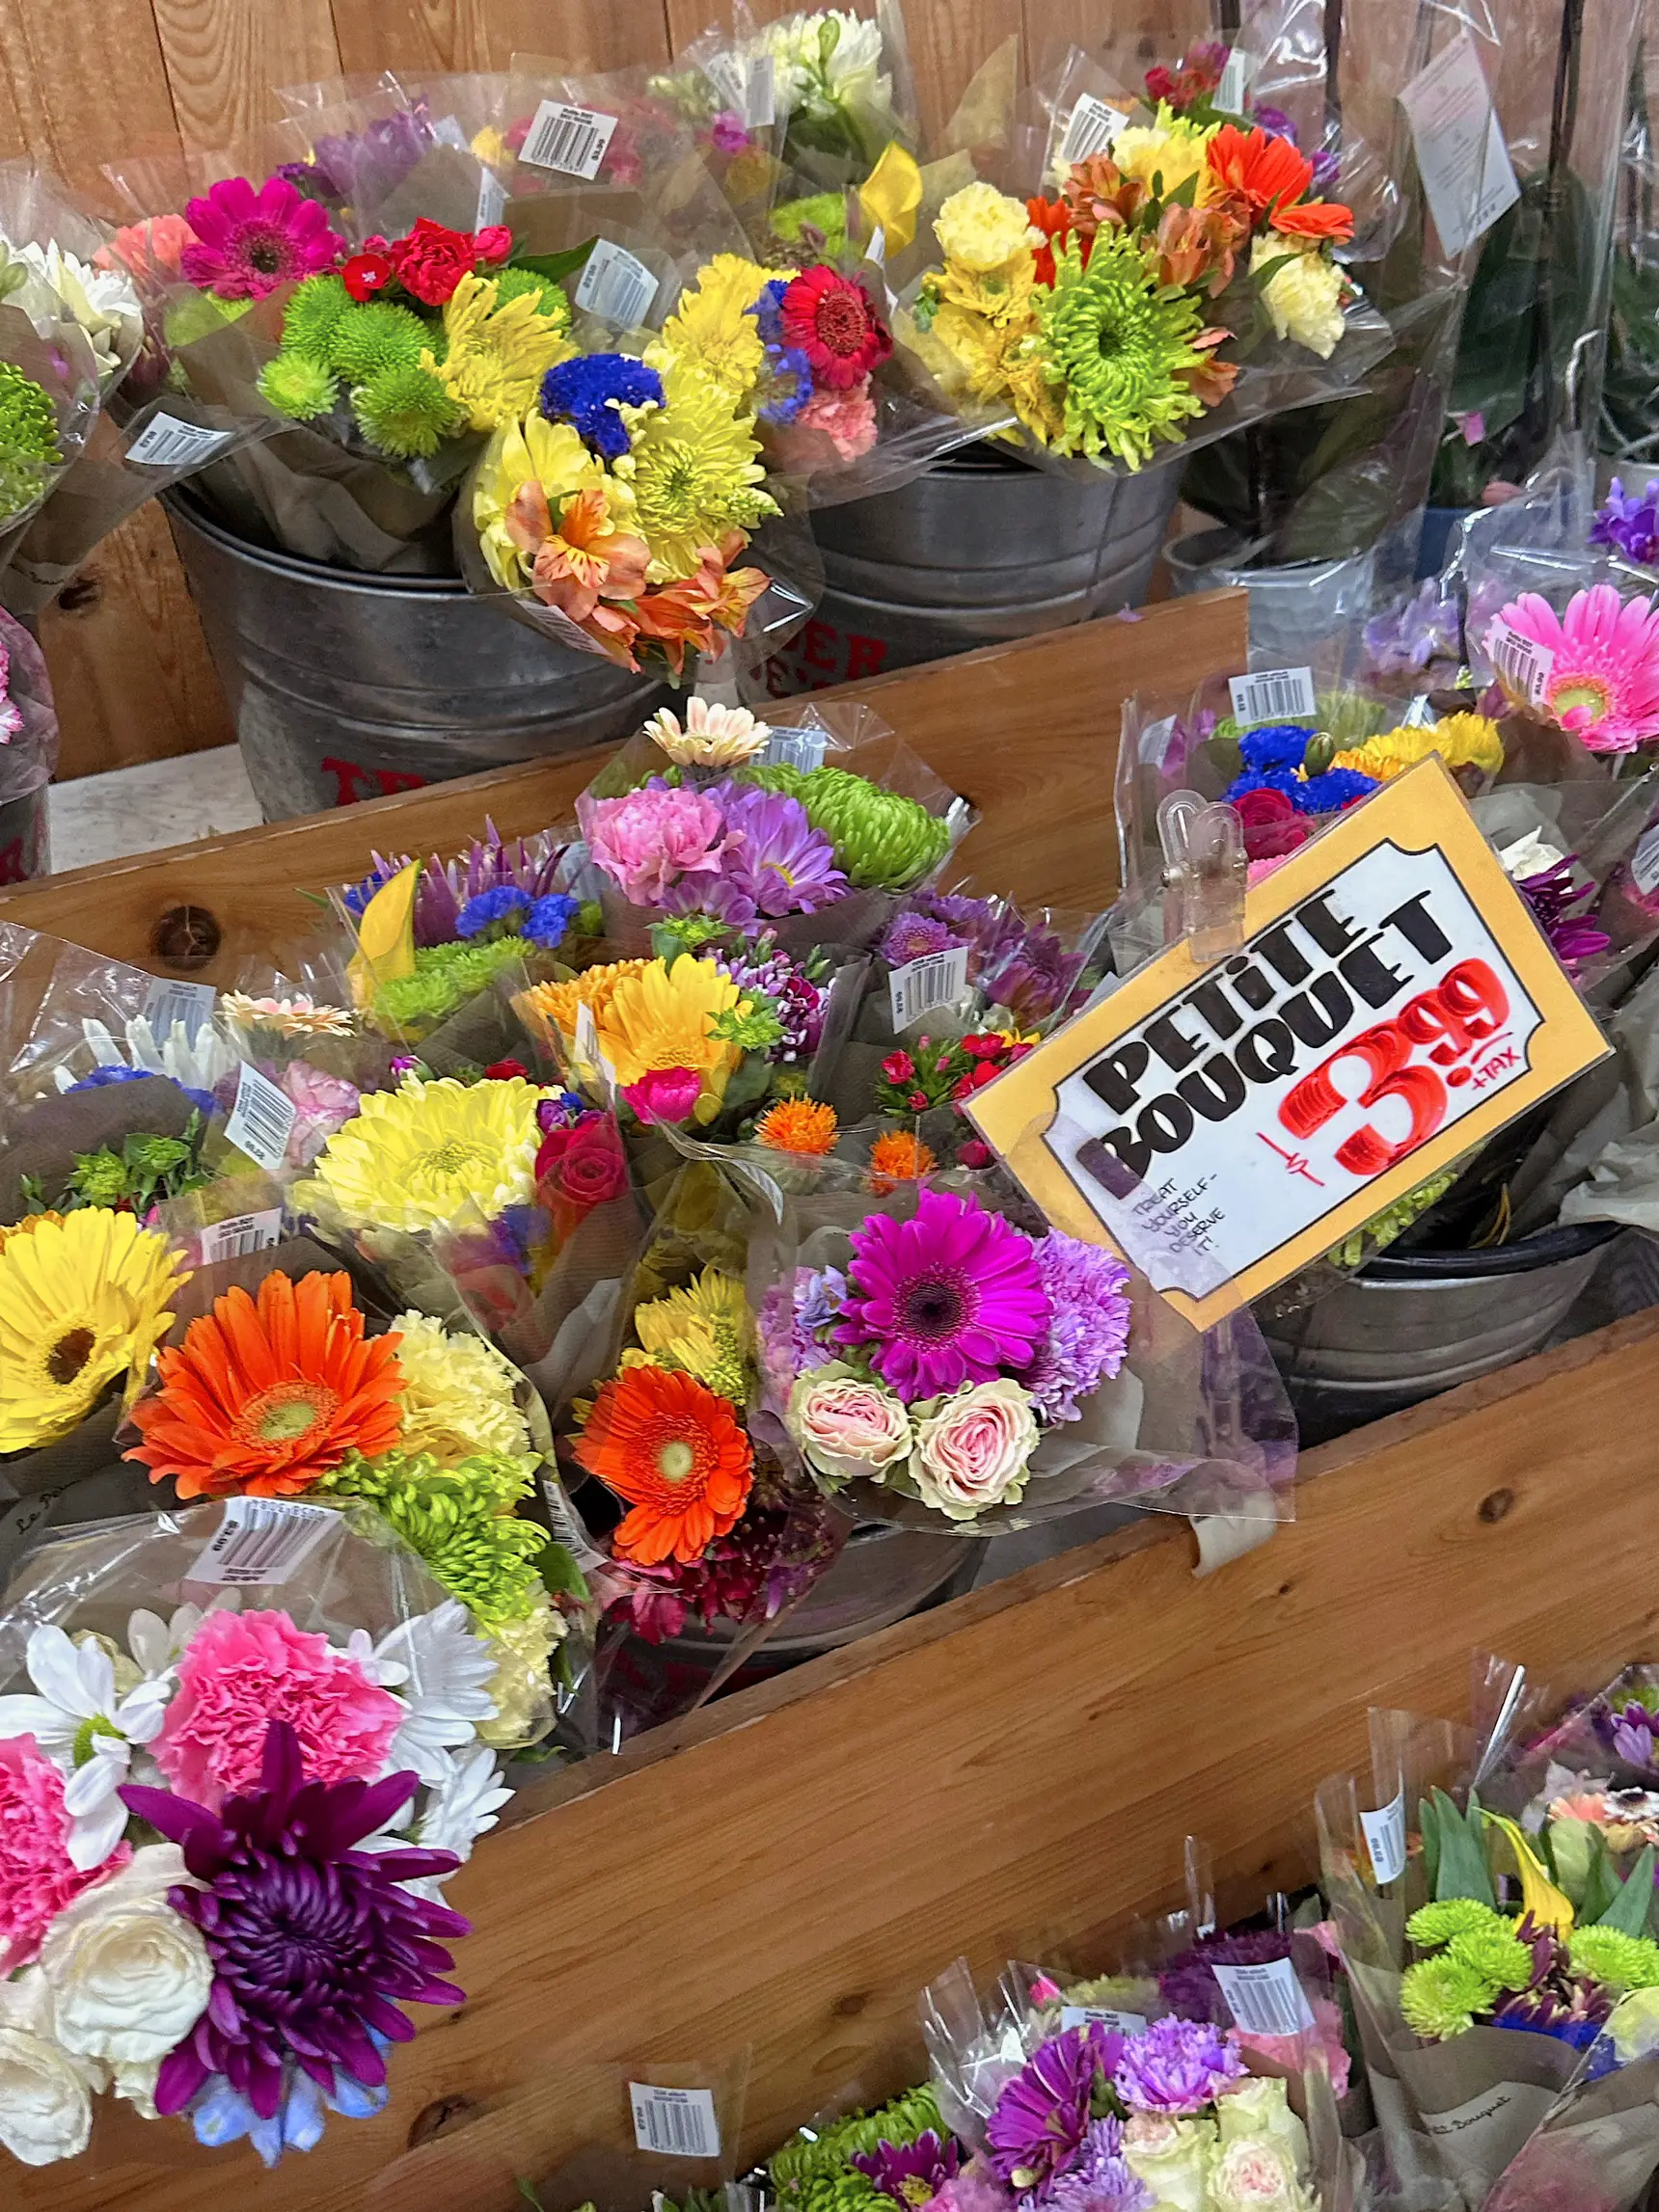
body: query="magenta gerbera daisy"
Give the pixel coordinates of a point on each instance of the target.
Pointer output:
(953, 1296)
(1602, 678)
(248, 242)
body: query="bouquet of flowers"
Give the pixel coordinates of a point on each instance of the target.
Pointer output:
(837, 81)
(271, 1761)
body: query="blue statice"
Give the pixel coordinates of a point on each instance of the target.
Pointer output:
(1330, 793)
(588, 390)
(1275, 745)
(550, 918)
(498, 913)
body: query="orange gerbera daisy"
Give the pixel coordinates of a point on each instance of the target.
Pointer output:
(898, 1157)
(1315, 219)
(1267, 171)
(264, 1399)
(796, 1125)
(673, 1449)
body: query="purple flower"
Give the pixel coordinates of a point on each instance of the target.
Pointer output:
(819, 1297)
(1274, 121)
(913, 937)
(221, 2114)
(910, 2172)
(976, 2189)
(1552, 894)
(1032, 977)
(1327, 169)
(1089, 1329)
(1176, 2067)
(1187, 1986)
(1102, 2180)
(1043, 2115)
(980, 924)
(1634, 1730)
(1419, 630)
(782, 862)
(314, 1944)
(1629, 523)
(762, 968)
(729, 133)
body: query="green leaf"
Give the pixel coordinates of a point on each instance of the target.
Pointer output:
(1463, 1871)
(1628, 1912)
(1269, 269)
(828, 36)
(1571, 1849)
(559, 1570)
(556, 267)
(1185, 193)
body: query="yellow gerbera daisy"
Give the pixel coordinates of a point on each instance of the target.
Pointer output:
(661, 1019)
(457, 1393)
(496, 356)
(713, 327)
(695, 470)
(427, 1154)
(559, 1004)
(84, 1298)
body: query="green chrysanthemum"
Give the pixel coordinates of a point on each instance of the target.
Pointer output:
(198, 315)
(1432, 1925)
(1119, 344)
(459, 1520)
(29, 446)
(695, 469)
(1440, 1997)
(882, 840)
(551, 300)
(406, 413)
(814, 2174)
(368, 340)
(1623, 1963)
(823, 211)
(312, 315)
(1498, 1955)
(298, 387)
(445, 977)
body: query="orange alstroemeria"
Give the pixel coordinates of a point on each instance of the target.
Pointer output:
(1198, 245)
(1102, 198)
(702, 608)
(1267, 171)
(1315, 219)
(585, 560)
(1212, 382)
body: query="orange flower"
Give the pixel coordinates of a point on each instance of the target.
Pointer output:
(1211, 380)
(1315, 219)
(1102, 198)
(1197, 244)
(898, 1157)
(1267, 171)
(796, 1125)
(585, 560)
(266, 1399)
(700, 606)
(673, 1449)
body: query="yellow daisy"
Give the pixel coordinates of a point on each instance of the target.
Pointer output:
(713, 327)
(84, 1298)
(428, 1154)
(457, 1393)
(661, 1019)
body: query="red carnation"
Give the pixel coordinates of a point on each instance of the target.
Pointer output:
(832, 322)
(431, 262)
(504, 1071)
(898, 1067)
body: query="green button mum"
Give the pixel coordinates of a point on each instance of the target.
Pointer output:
(29, 446)
(1120, 344)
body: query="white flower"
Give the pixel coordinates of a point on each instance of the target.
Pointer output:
(198, 1063)
(1530, 855)
(971, 1451)
(102, 301)
(445, 1670)
(129, 1976)
(1304, 296)
(45, 2091)
(713, 737)
(78, 1723)
(824, 62)
(462, 1804)
(157, 1645)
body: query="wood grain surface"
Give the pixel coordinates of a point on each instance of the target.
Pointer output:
(1008, 1776)
(1027, 732)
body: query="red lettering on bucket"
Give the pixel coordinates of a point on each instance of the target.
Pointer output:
(14, 862)
(347, 777)
(397, 779)
(822, 655)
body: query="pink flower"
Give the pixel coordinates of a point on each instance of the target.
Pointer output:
(664, 1094)
(728, 133)
(846, 419)
(648, 839)
(241, 1671)
(326, 1103)
(973, 1452)
(153, 248)
(250, 242)
(847, 1428)
(1295, 2054)
(37, 1878)
(1598, 664)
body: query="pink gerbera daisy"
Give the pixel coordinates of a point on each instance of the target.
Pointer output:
(248, 242)
(1602, 677)
(952, 1297)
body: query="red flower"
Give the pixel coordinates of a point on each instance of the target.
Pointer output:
(431, 260)
(1267, 171)
(503, 1070)
(494, 243)
(917, 1102)
(898, 1067)
(367, 274)
(1272, 826)
(1315, 219)
(832, 322)
(1054, 218)
(580, 1167)
(975, 1153)
(985, 1046)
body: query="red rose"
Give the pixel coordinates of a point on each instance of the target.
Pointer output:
(580, 1167)
(367, 274)
(898, 1067)
(503, 1070)
(1272, 826)
(431, 262)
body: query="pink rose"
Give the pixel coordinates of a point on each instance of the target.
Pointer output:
(972, 1453)
(37, 1876)
(845, 1426)
(646, 840)
(1271, 825)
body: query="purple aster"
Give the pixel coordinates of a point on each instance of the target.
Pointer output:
(819, 1297)
(1274, 121)
(1275, 745)
(1419, 630)
(1089, 1325)
(1043, 2115)
(1102, 2180)
(1552, 894)
(912, 936)
(498, 913)
(364, 166)
(783, 864)
(1629, 523)
(314, 1944)
(1327, 168)
(910, 2172)
(1634, 1729)
(1187, 1986)
(980, 924)
(1176, 2067)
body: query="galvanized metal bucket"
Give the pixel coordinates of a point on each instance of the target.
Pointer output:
(1406, 1327)
(979, 548)
(347, 687)
(1292, 608)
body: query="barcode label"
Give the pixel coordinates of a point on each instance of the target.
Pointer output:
(747, 84)
(242, 1234)
(680, 2124)
(1644, 860)
(166, 443)
(616, 286)
(262, 1120)
(919, 987)
(797, 750)
(260, 1540)
(1272, 695)
(1385, 1839)
(169, 1006)
(1265, 2000)
(448, 132)
(567, 1528)
(1234, 75)
(491, 202)
(1085, 2015)
(570, 140)
(1523, 665)
(1093, 124)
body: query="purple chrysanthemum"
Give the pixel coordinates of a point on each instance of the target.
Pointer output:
(783, 863)
(1187, 1983)
(980, 924)
(1176, 2067)
(1629, 523)
(315, 1945)
(1634, 1730)
(1552, 894)
(248, 242)
(1043, 2116)
(910, 2172)
(912, 936)
(951, 1297)
(1101, 2178)
(1088, 1328)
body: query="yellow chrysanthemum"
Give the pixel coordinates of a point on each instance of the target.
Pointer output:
(496, 356)
(457, 1393)
(550, 454)
(428, 1154)
(1372, 759)
(695, 470)
(1169, 148)
(713, 328)
(704, 1328)
(520, 1685)
(661, 1018)
(980, 227)
(84, 1298)
(1462, 741)
(559, 1004)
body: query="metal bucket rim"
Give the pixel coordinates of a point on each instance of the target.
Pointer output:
(1545, 1248)
(316, 574)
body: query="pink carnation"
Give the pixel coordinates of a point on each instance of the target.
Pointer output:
(326, 1104)
(37, 1878)
(244, 1670)
(648, 839)
(846, 419)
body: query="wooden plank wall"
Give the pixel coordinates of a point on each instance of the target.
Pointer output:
(85, 82)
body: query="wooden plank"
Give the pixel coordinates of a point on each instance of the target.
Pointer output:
(1008, 1776)
(226, 58)
(1027, 732)
(85, 85)
(427, 37)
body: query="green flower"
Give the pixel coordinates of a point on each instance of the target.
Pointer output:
(406, 413)
(1440, 1997)
(29, 446)
(460, 1521)
(754, 1030)
(513, 283)
(1432, 1925)
(313, 313)
(1623, 1963)
(297, 387)
(369, 339)
(1120, 345)
(882, 840)
(825, 212)
(1499, 1956)
(814, 2174)
(100, 1178)
(445, 977)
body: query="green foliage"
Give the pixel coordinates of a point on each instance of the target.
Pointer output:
(1628, 1912)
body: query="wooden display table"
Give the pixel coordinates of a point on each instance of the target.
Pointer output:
(1010, 1775)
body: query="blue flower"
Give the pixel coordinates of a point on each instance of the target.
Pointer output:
(203, 1101)
(1330, 793)
(1266, 779)
(222, 2115)
(789, 384)
(550, 919)
(377, 879)
(1275, 745)
(588, 390)
(768, 311)
(506, 904)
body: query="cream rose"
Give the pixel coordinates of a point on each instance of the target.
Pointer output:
(972, 1453)
(845, 1426)
(130, 1976)
(45, 2091)
(1171, 2157)
(1259, 2106)
(1257, 2174)
(1303, 297)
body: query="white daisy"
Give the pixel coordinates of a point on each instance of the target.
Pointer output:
(464, 1803)
(78, 1723)
(445, 1668)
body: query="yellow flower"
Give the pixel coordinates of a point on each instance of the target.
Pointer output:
(518, 1686)
(704, 1328)
(695, 470)
(712, 325)
(981, 228)
(536, 451)
(428, 1154)
(83, 1300)
(1462, 741)
(661, 1019)
(457, 1393)
(497, 356)
(1170, 148)
(491, 147)
(1372, 759)
(714, 737)
(1303, 297)
(559, 1004)
(296, 1016)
